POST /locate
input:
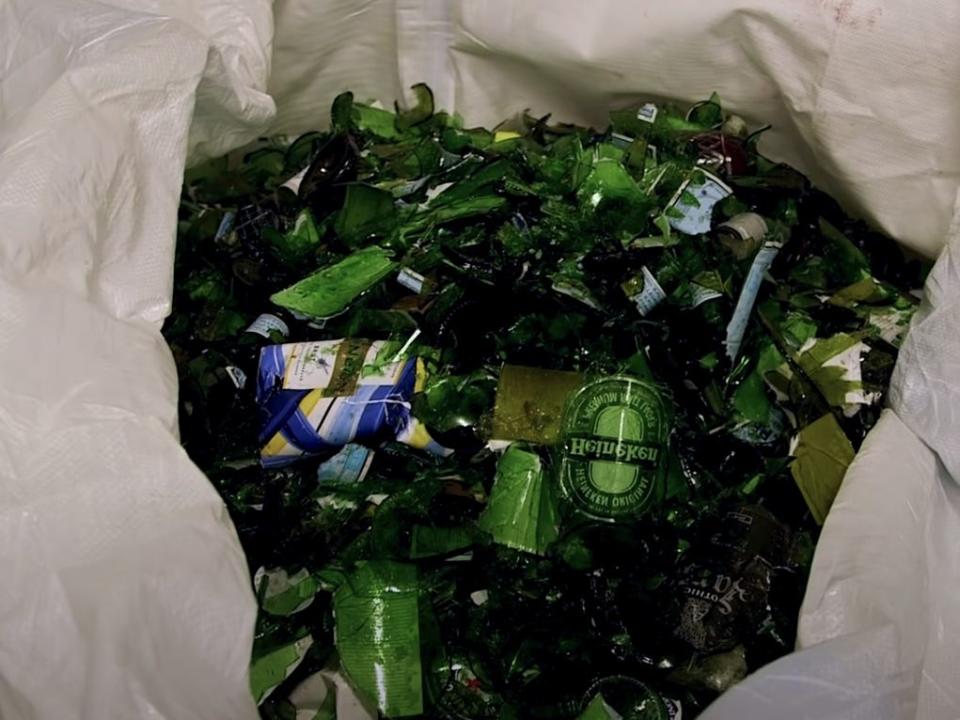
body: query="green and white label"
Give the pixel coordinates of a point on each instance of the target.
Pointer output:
(699, 294)
(614, 448)
(266, 324)
(644, 291)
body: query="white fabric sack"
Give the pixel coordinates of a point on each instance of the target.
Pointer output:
(125, 591)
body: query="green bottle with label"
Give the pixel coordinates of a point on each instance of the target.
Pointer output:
(613, 451)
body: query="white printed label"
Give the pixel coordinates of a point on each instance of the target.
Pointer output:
(621, 141)
(300, 648)
(695, 204)
(267, 323)
(237, 376)
(309, 365)
(700, 294)
(651, 295)
(411, 280)
(737, 327)
(648, 113)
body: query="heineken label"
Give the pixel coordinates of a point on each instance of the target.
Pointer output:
(618, 450)
(614, 448)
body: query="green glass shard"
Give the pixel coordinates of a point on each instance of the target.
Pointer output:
(367, 211)
(459, 210)
(521, 512)
(421, 111)
(330, 290)
(207, 287)
(708, 113)
(866, 290)
(846, 260)
(272, 668)
(455, 401)
(530, 402)
(609, 183)
(377, 121)
(598, 709)
(341, 112)
(378, 635)
(751, 399)
(798, 328)
(298, 243)
(282, 594)
(301, 150)
(429, 541)
(265, 167)
(822, 454)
